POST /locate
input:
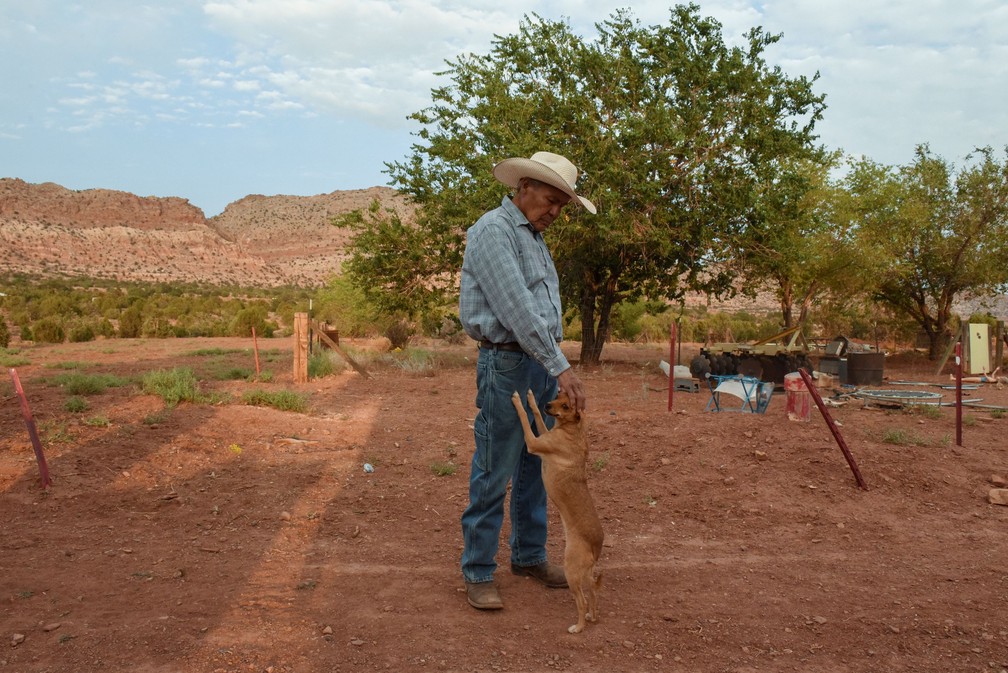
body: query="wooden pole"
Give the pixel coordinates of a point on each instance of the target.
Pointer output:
(300, 348)
(998, 344)
(810, 386)
(32, 431)
(346, 356)
(948, 352)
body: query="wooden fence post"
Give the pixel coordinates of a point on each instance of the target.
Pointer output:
(300, 348)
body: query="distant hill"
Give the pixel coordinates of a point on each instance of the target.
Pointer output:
(258, 241)
(261, 241)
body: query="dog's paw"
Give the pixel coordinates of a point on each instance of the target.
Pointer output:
(516, 397)
(531, 398)
(575, 628)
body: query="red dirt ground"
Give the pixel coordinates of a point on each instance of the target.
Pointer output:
(225, 537)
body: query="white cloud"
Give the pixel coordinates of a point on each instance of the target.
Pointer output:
(895, 73)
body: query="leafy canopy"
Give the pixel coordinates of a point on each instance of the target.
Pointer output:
(673, 131)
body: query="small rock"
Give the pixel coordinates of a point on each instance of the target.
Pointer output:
(327, 631)
(761, 455)
(17, 639)
(998, 496)
(819, 619)
(999, 480)
(356, 642)
(285, 516)
(51, 627)
(628, 644)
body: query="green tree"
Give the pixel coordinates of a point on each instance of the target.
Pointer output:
(672, 128)
(929, 237)
(49, 331)
(797, 243)
(131, 321)
(253, 316)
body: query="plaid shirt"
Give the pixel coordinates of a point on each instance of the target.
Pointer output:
(509, 289)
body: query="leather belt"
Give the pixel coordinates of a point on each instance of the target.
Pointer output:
(512, 346)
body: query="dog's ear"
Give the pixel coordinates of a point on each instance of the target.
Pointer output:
(577, 415)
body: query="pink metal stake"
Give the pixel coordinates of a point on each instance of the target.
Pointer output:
(671, 359)
(810, 386)
(32, 431)
(255, 347)
(958, 369)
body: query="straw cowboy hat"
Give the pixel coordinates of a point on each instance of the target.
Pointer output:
(547, 167)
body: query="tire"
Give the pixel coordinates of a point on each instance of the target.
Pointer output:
(699, 367)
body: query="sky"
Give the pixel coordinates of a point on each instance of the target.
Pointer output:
(213, 100)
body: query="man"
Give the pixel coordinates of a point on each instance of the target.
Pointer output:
(510, 303)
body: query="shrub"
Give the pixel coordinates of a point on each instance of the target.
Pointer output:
(443, 468)
(342, 304)
(157, 327)
(131, 322)
(48, 331)
(320, 364)
(399, 333)
(247, 318)
(173, 385)
(75, 404)
(284, 400)
(4, 333)
(77, 383)
(81, 332)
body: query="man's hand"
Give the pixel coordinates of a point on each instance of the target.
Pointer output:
(569, 383)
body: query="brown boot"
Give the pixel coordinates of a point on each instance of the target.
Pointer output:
(549, 574)
(483, 596)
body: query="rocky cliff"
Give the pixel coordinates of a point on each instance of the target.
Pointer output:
(48, 230)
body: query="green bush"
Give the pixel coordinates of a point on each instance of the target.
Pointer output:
(105, 328)
(78, 383)
(248, 318)
(399, 333)
(5, 334)
(173, 385)
(320, 363)
(81, 332)
(75, 404)
(48, 331)
(131, 322)
(344, 306)
(625, 321)
(284, 400)
(157, 327)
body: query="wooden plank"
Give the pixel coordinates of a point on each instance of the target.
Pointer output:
(300, 348)
(336, 347)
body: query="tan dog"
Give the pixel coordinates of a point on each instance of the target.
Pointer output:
(564, 454)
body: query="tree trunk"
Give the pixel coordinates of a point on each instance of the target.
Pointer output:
(786, 297)
(594, 336)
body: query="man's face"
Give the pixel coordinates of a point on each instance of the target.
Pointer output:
(540, 203)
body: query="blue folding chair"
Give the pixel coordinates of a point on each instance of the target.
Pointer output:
(753, 395)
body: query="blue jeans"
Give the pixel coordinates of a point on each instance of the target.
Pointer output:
(501, 457)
